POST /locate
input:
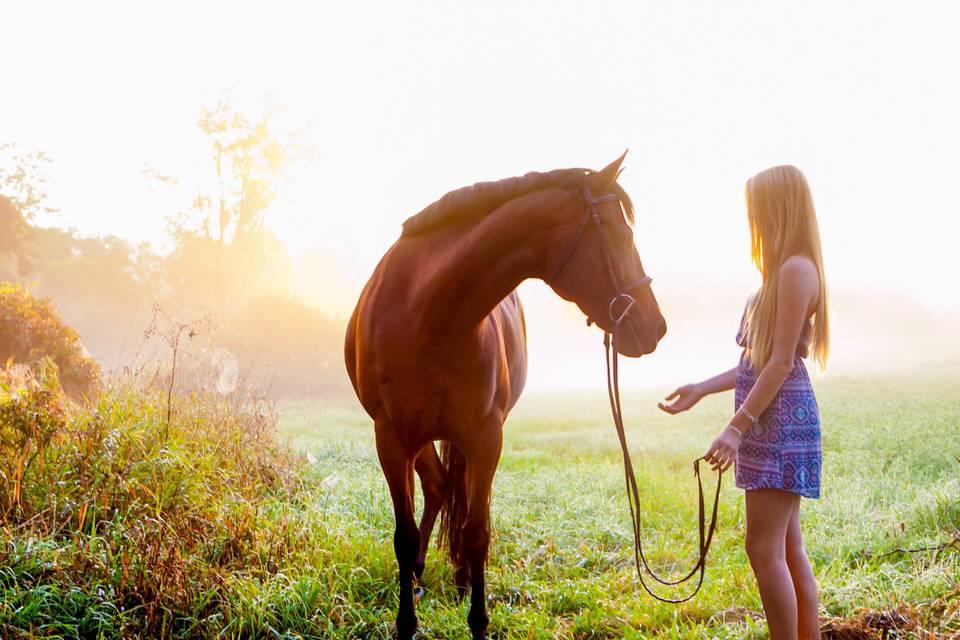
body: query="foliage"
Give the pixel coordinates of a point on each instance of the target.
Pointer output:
(31, 331)
(136, 526)
(287, 345)
(102, 285)
(16, 253)
(31, 415)
(22, 198)
(23, 180)
(249, 158)
(224, 255)
(225, 262)
(207, 275)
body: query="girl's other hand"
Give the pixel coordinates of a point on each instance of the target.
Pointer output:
(683, 398)
(723, 451)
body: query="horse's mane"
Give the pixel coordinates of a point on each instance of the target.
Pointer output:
(481, 198)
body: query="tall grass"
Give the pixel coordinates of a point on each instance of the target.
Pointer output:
(141, 515)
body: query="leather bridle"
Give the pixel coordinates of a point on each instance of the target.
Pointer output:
(611, 340)
(593, 213)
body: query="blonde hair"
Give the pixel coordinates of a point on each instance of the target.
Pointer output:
(783, 223)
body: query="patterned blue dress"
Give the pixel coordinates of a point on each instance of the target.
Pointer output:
(781, 451)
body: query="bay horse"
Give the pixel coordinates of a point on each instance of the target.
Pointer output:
(436, 347)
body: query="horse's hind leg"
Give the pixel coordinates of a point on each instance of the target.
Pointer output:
(398, 469)
(433, 483)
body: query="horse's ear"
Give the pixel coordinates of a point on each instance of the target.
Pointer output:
(608, 175)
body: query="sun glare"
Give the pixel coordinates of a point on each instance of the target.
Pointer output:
(404, 122)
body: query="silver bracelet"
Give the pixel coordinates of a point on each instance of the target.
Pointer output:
(753, 419)
(737, 431)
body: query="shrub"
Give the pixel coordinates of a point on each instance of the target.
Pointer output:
(31, 329)
(286, 345)
(135, 513)
(31, 415)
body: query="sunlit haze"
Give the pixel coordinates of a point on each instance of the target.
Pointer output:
(402, 103)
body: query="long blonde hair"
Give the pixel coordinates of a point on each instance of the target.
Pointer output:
(783, 223)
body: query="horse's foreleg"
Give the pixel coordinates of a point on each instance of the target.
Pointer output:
(398, 469)
(433, 484)
(484, 454)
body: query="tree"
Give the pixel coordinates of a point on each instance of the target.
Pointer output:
(103, 286)
(224, 254)
(22, 198)
(16, 256)
(23, 180)
(31, 331)
(249, 157)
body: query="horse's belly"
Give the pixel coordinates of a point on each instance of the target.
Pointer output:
(433, 384)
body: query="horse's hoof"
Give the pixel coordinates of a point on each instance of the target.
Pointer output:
(478, 624)
(406, 630)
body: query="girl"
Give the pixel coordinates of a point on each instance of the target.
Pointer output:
(774, 434)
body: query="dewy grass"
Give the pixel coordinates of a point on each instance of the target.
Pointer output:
(211, 528)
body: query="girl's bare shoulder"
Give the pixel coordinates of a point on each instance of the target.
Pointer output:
(799, 277)
(799, 268)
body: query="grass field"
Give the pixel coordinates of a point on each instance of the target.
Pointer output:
(184, 517)
(560, 562)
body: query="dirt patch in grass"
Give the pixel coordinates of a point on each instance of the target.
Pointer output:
(871, 625)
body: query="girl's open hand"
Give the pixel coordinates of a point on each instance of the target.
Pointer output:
(723, 451)
(683, 398)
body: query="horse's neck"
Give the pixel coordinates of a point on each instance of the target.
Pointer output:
(483, 263)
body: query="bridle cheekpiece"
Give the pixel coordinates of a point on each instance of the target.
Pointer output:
(593, 213)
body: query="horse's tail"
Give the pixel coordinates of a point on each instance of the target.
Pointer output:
(453, 511)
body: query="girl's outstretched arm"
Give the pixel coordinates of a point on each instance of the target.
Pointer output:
(720, 382)
(690, 394)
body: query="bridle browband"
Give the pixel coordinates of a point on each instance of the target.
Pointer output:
(612, 339)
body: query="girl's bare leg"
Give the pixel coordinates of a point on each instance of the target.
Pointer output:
(804, 582)
(768, 518)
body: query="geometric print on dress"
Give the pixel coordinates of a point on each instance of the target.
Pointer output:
(783, 449)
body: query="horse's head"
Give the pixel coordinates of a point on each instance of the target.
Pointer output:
(596, 265)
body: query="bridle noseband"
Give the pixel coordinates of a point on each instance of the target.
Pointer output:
(612, 339)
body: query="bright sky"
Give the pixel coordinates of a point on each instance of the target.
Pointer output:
(404, 102)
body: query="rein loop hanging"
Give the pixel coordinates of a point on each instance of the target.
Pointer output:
(633, 493)
(611, 341)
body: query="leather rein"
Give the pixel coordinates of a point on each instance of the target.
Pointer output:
(612, 339)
